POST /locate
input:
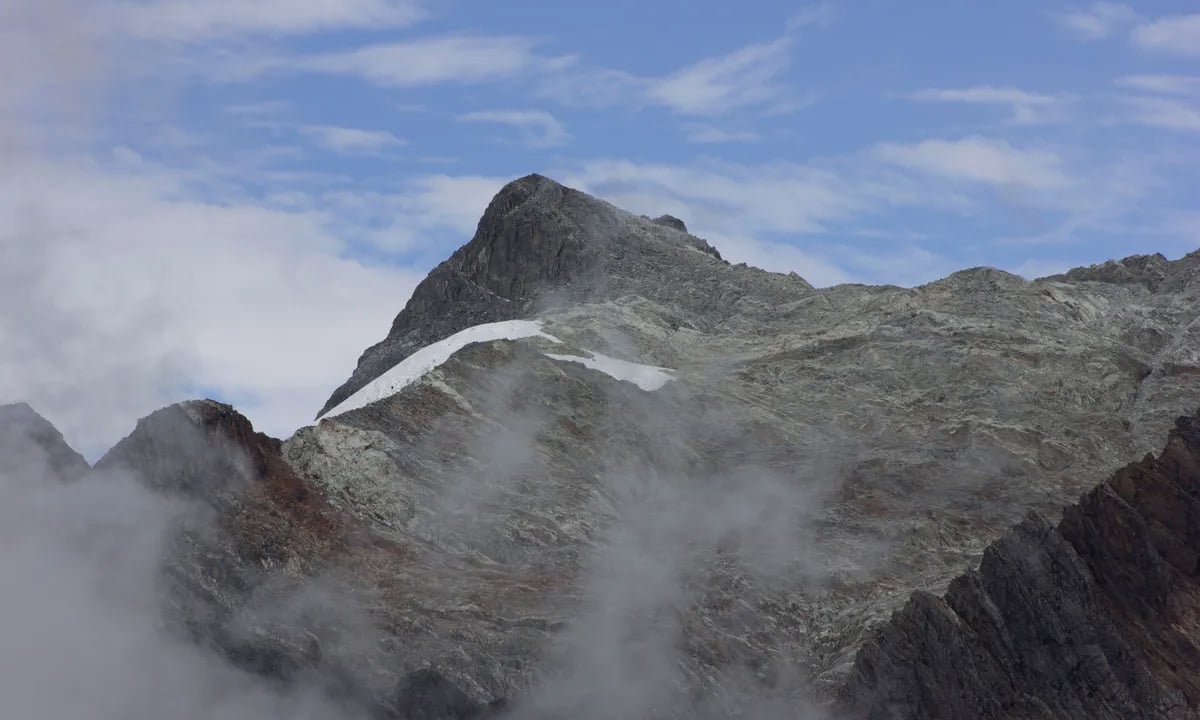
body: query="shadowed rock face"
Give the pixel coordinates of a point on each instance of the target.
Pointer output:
(29, 443)
(1098, 617)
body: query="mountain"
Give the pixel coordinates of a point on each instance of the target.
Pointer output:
(31, 444)
(866, 441)
(596, 471)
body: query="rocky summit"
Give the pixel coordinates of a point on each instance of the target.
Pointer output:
(596, 471)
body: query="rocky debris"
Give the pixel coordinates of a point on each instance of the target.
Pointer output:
(1098, 617)
(31, 444)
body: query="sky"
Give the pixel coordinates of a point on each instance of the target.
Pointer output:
(231, 199)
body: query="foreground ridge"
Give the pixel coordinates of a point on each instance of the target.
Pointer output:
(1098, 617)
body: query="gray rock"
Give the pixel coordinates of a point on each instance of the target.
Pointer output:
(821, 455)
(1096, 618)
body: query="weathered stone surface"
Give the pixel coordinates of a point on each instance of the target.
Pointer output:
(30, 444)
(900, 431)
(1097, 618)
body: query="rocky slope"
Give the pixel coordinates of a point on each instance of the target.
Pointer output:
(1098, 617)
(863, 441)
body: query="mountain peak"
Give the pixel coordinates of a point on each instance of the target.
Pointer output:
(539, 243)
(29, 441)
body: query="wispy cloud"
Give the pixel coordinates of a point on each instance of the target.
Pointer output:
(1099, 20)
(537, 128)
(1177, 35)
(1165, 113)
(746, 77)
(820, 14)
(1027, 108)
(979, 160)
(704, 134)
(426, 61)
(190, 21)
(1163, 84)
(751, 77)
(350, 140)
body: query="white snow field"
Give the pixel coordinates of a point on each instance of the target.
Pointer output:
(647, 377)
(413, 367)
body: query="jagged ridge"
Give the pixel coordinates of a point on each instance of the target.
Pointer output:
(1097, 618)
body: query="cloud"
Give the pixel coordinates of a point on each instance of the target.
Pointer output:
(820, 14)
(1164, 113)
(750, 77)
(537, 128)
(260, 306)
(425, 61)
(980, 160)
(744, 78)
(187, 21)
(1098, 21)
(1177, 35)
(703, 134)
(1163, 84)
(1027, 108)
(350, 140)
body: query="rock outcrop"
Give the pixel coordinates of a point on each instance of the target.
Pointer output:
(31, 444)
(1098, 617)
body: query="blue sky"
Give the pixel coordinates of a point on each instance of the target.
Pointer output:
(298, 166)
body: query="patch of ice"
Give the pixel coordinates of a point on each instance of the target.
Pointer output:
(413, 367)
(647, 377)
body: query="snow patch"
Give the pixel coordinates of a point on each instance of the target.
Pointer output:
(647, 377)
(413, 367)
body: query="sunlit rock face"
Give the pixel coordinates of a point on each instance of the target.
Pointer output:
(818, 455)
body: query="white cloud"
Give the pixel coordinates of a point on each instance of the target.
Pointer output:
(749, 77)
(980, 160)
(538, 128)
(1178, 35)
(1163, 84)
(1165, 113)
(192, 21)
(746, 77)
(426, 61)
(1035, 268)
(817, 15)
(704, 134)
(1099, 20)
(1027, 108)
(350, 140)
(134, 296)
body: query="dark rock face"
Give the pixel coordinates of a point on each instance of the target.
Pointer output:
(1096, 618)
(540, 243)
(672, 222)
(29, 443)
(428, 695)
